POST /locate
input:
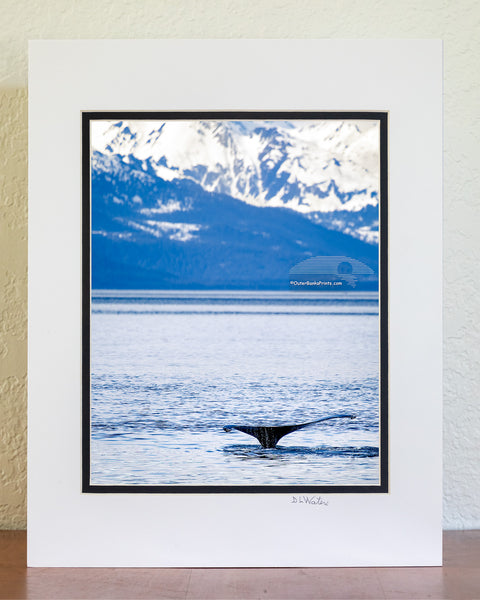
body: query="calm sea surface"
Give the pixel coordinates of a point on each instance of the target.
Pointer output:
(170, 369)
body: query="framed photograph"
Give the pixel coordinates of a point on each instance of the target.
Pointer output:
(235, 303)
(235, 293)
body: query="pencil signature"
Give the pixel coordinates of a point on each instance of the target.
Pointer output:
(317, 500)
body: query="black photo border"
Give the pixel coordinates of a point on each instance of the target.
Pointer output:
(87, 117)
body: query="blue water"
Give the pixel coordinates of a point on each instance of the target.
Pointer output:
(170, 369)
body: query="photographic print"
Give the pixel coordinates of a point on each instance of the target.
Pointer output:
(235, 302)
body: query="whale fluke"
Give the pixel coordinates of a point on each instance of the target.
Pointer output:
(269, 436)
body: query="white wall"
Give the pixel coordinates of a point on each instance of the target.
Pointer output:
(456, 22)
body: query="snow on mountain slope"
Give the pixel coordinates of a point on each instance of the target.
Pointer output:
(326, 169)
(148, 233)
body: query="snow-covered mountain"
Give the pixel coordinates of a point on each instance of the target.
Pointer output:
(327, 170)
(150, 233)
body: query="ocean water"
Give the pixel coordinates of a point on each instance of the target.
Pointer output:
(170, 369)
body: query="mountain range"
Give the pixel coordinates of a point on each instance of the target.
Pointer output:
(327, 170)
(152, 230)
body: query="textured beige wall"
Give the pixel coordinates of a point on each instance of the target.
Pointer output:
(457, 22)
(13, 306)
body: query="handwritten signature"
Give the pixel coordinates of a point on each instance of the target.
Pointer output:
(317, 500)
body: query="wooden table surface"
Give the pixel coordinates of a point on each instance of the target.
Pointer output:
(459, 578)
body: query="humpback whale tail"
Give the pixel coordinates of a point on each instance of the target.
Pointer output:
(269, 436)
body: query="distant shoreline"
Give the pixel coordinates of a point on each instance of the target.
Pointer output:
(104, 294)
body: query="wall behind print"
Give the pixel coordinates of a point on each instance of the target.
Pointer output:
(457, 23)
